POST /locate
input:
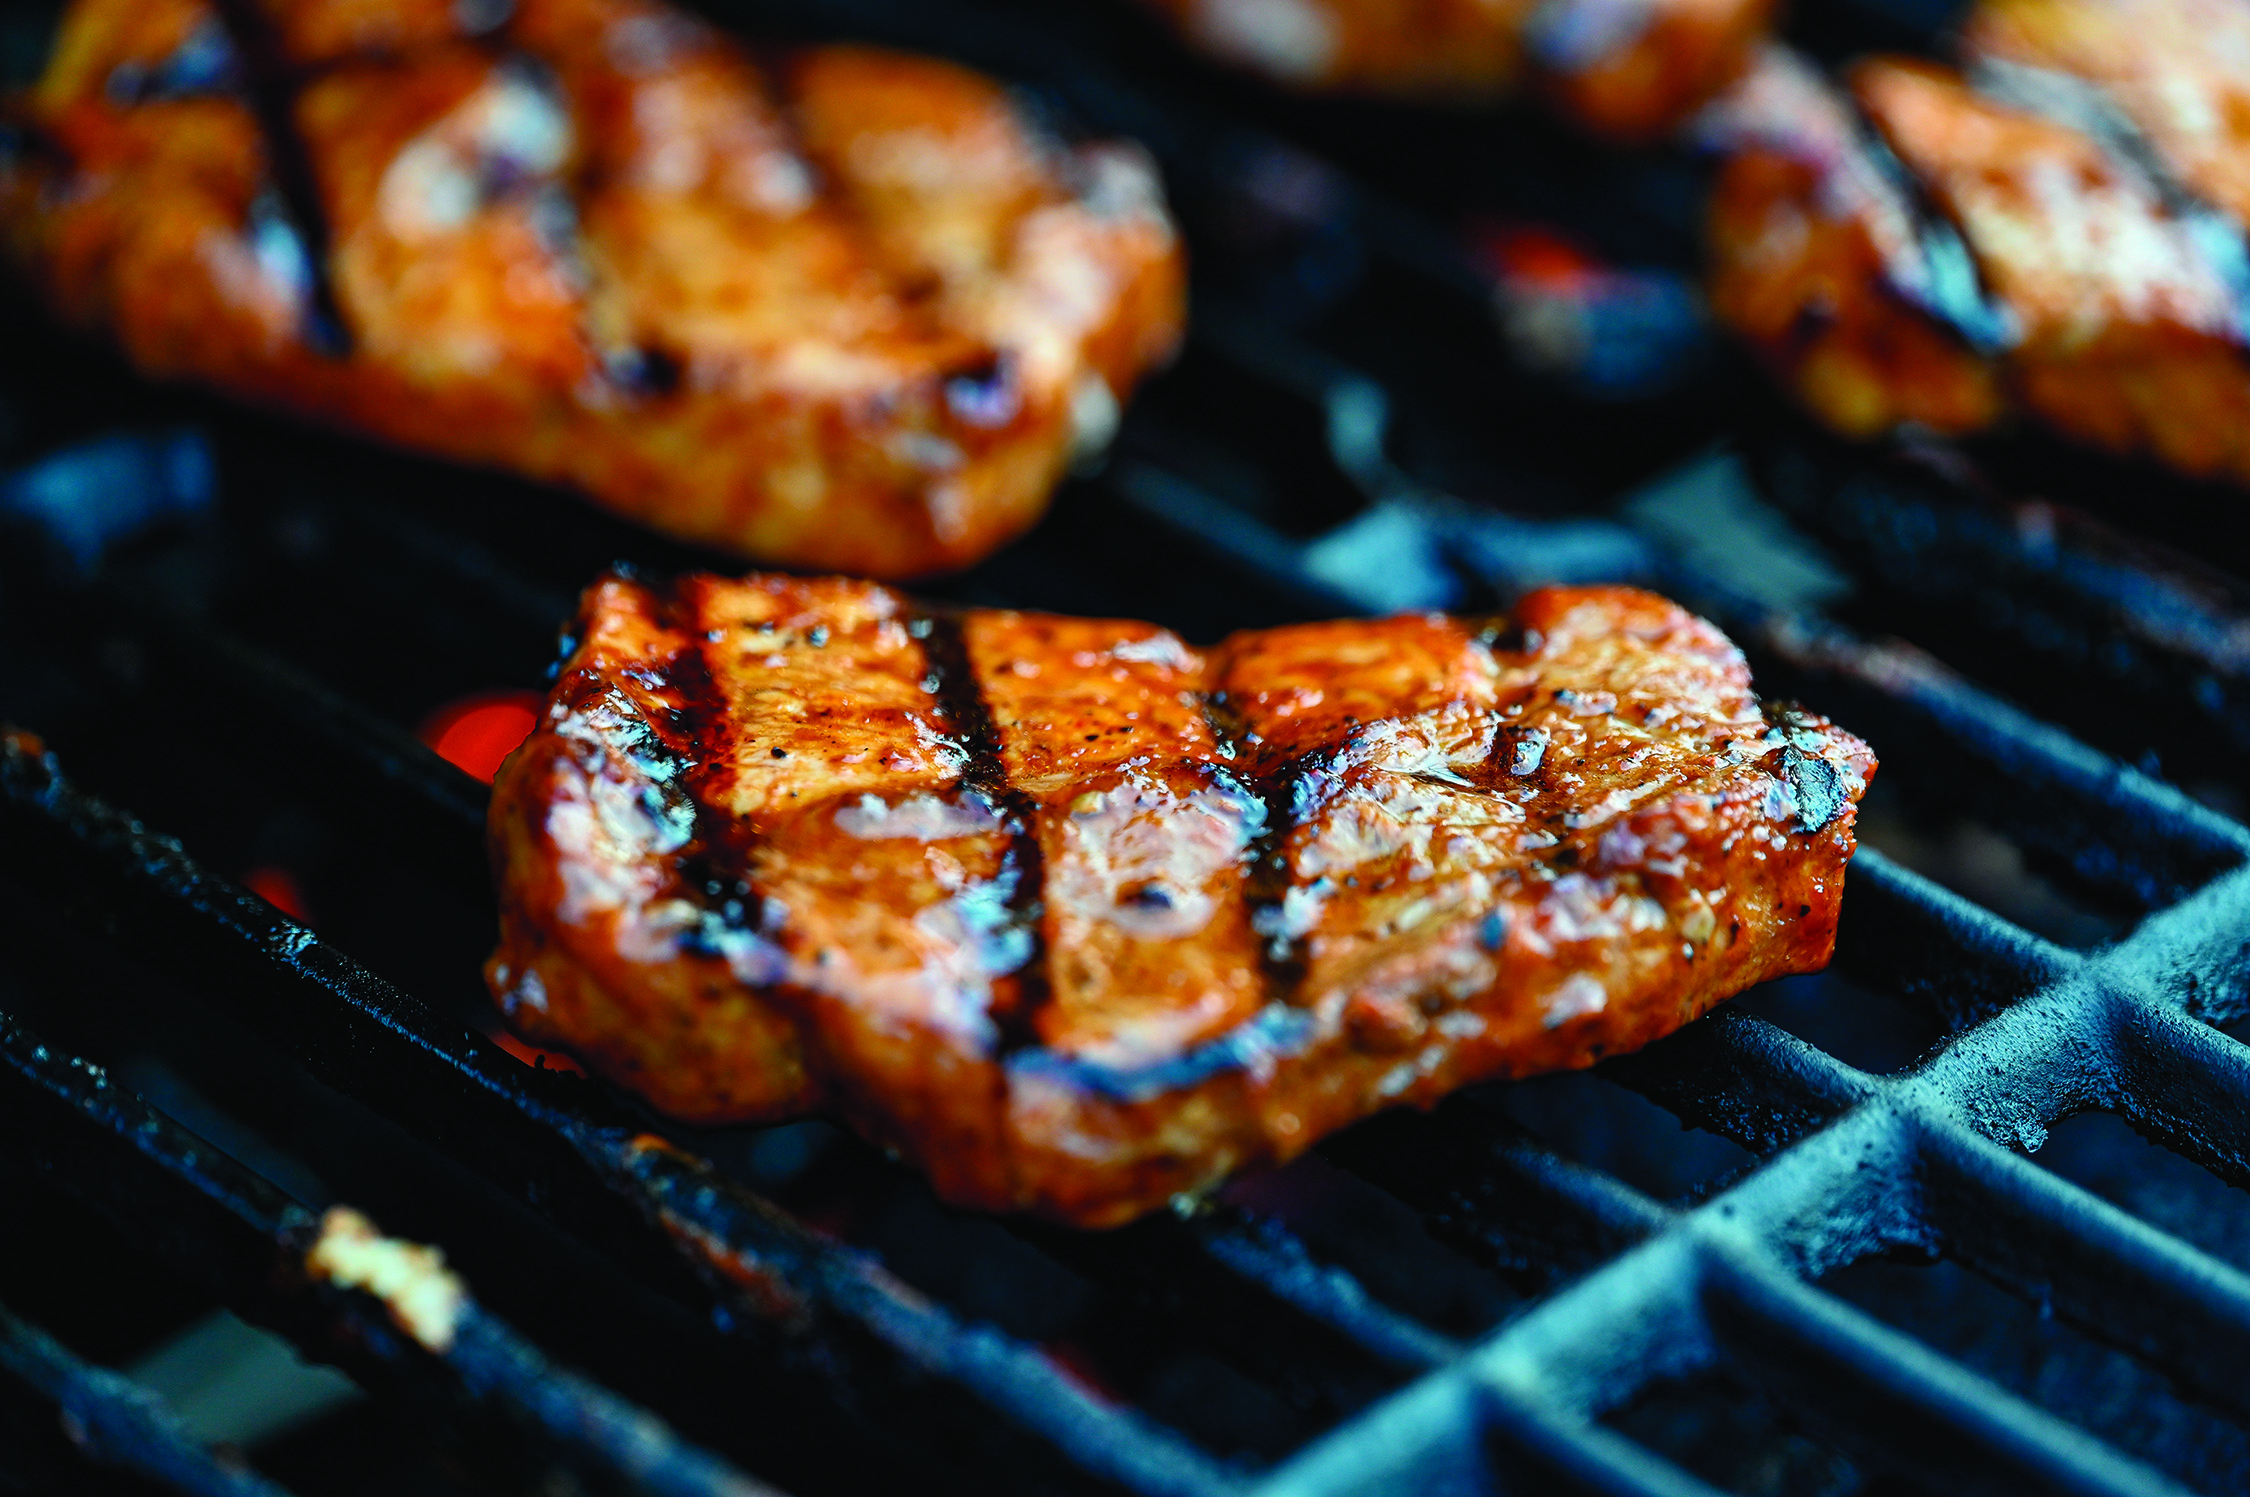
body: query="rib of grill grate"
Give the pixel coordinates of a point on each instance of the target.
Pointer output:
(149, 1174)
(1865, 1164)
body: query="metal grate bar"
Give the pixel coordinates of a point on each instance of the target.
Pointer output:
(1324, 1292)
(787, 1270)
(1264, 1252)
(1649, 1315)
(1893, 1400)
(1831, 1199)
(1913, 936)
(1854, 1163)
(1860, 1184)
(746, 1246)
(2025, 1067)
(2118, 827)
(1558, 1453)
(1479, 1178)
(140, 1168)
(1428, 1438)
(469, 568)
(2186, 1082)
(117, 1422)
(2059, 587)
(2128, 1282)
(392, 752)
(1745, 1079)
(1224, 532)
(1776, 1088)
(1442, 1435)
(1814, 1205)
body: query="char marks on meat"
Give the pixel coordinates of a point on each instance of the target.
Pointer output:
(2054, 228)
(1079, 917)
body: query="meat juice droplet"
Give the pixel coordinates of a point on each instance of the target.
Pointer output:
(474, 733)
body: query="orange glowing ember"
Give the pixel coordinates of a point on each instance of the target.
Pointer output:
(1537, 256)
(532, 1055)
(1077, 1364)
(476, 732)
(279, 888)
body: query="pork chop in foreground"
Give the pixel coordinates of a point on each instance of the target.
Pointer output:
(832, 308)
(1079, 918)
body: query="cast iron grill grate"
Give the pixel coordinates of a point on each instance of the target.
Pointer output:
(1502, 1294)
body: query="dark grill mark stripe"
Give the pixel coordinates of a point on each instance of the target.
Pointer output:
(718, 867)
(1265, 878)
(270, 88)
(271, 92)
(2085, 106)
(1949, 285)
(714, 869)
(1022, 871)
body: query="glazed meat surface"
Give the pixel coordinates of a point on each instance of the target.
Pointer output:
(849, 310)
(2176, 71)
(1824, 263)
(1623, 69)
(1079, 918)
(2055, 232)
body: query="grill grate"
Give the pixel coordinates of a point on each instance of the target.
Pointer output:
(240, 667)
(246, 1228)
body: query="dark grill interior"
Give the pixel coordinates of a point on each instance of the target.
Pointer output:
(1962, 1214)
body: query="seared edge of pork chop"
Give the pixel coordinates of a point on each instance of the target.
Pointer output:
(1079, 918)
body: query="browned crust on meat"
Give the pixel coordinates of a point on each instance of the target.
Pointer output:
(1805, 289)
(1626, 71)
(1279, 885)
(1437, 49)
(2179, 70)
(2130, 338)
(857, 314)
(1806, 237)
(1687, 52)
(2122, 329)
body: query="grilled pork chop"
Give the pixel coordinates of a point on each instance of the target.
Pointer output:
(1629, 69)
(1080, 918)
(851, 310)
(2056, 231)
